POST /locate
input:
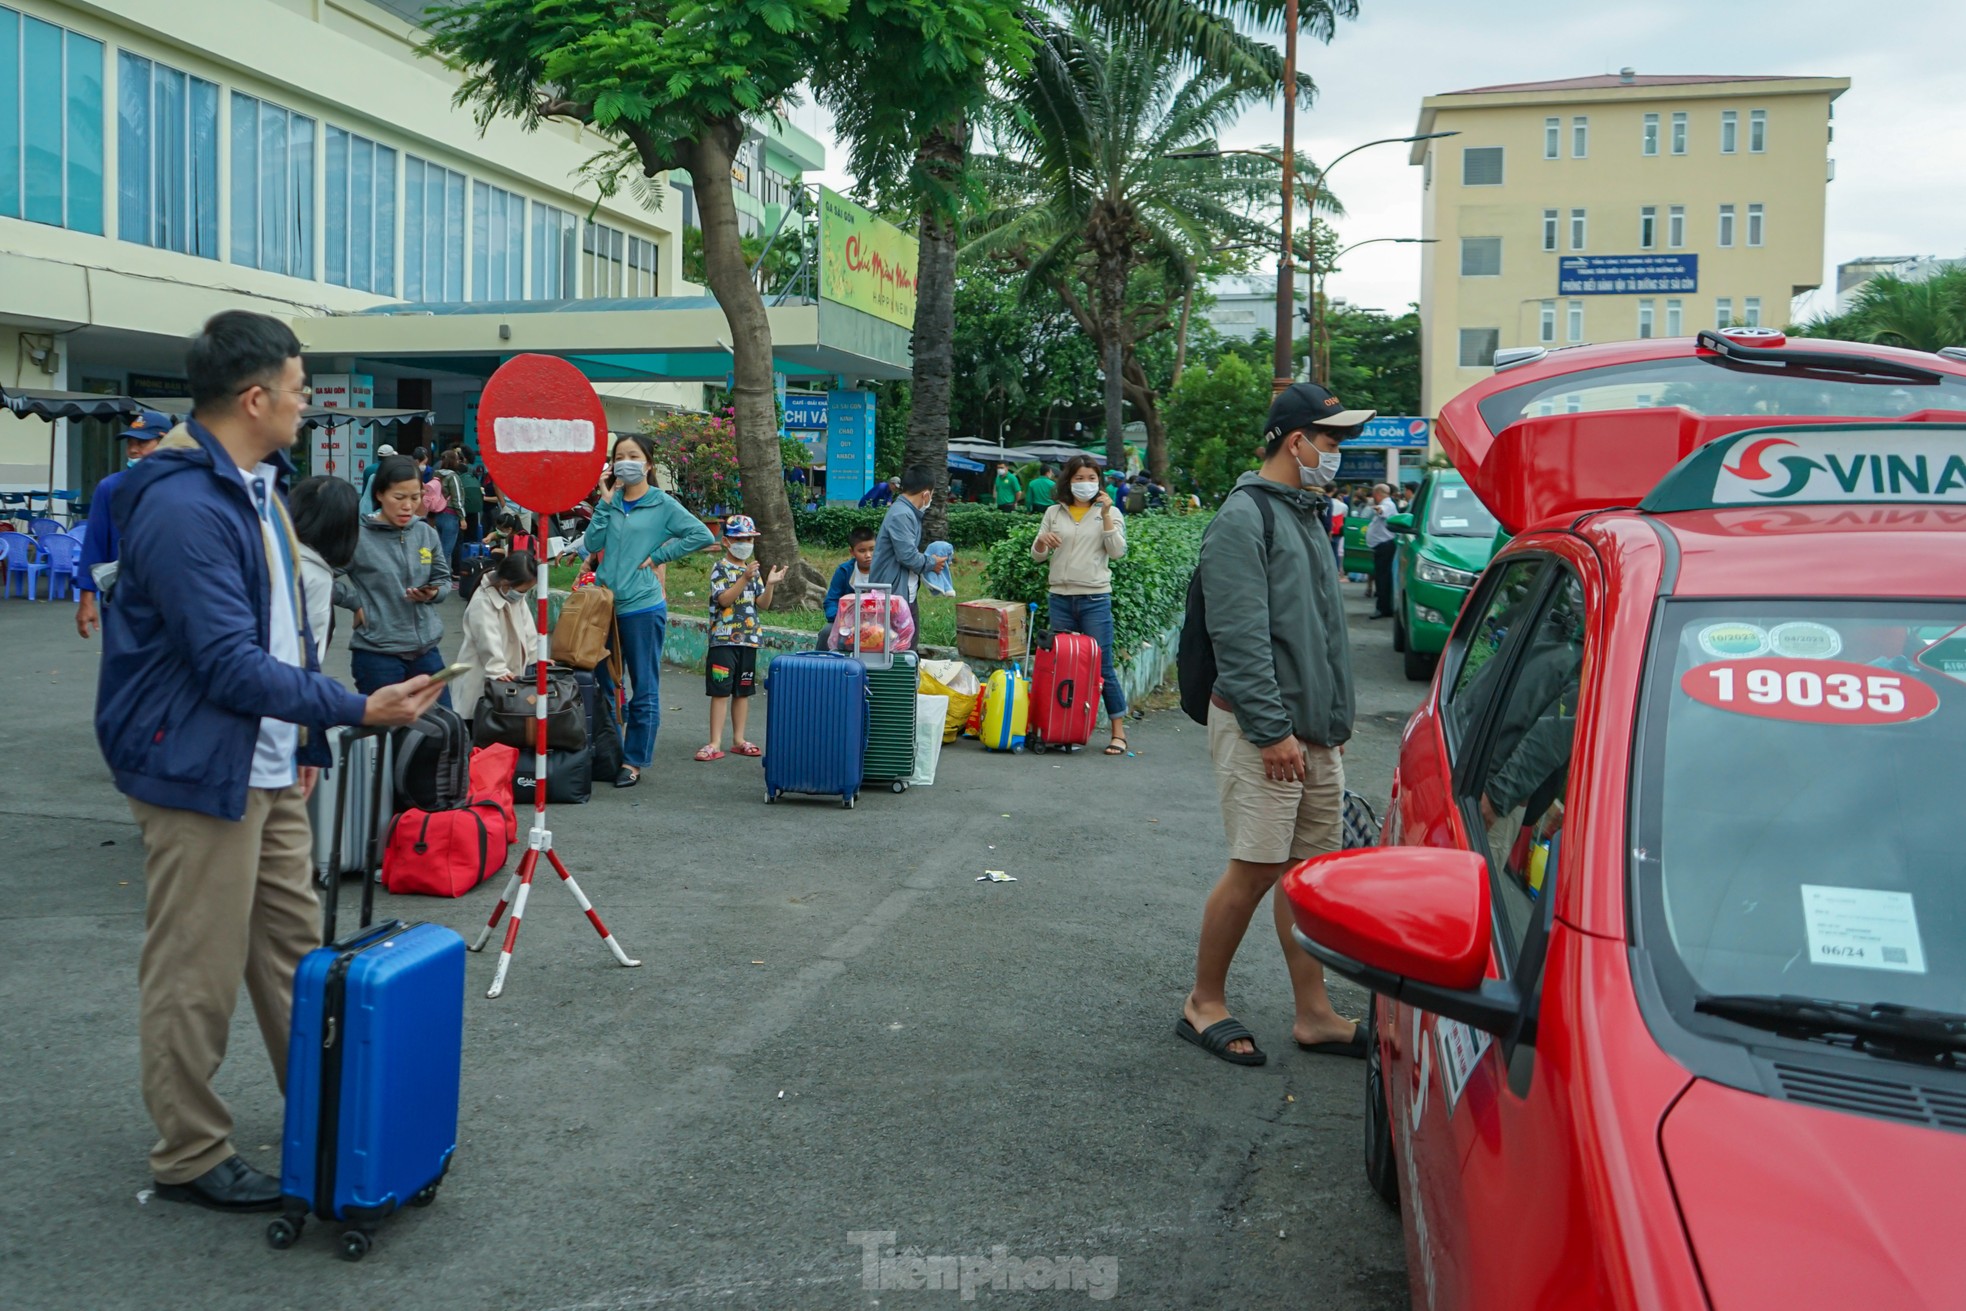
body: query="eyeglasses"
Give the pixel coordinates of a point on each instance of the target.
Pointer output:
(305, 393)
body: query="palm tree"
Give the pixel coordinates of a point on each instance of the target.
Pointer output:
(1107, 186)
(1888, 309)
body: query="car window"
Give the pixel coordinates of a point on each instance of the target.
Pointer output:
(1524, 761)
(1501, 607)
(1453, 511)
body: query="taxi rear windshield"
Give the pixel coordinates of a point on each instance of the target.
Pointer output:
(1711, 385)
(1453, 511)
(1797, 819)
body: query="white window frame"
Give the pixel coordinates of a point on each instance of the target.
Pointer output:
(1574, 322)
(1580, 137)
(1675, 227)
(1751, 312)
(1546, 323)
(1552, 138)
(1648, 227)
(1681, 129)
(1647, 314)
(1757, 131)
(1649, 136)
(1579, 230)
(1723, 312)
(1552, 228)
(1724, 237)
(1757, 225)
(1675, 317)
(1730, 131)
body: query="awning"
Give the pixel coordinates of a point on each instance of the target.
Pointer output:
(31, 402)
(178, 408)
(966, 466)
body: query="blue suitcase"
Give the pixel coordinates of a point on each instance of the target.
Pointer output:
(373, 1069)
(816, 721)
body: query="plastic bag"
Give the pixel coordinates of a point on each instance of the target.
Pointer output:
(874, 613)
(958, 682)
(931, 713)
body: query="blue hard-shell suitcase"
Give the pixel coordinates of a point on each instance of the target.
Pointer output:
(815, 725)
(373, 1067)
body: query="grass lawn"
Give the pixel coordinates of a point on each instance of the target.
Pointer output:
(689, 592)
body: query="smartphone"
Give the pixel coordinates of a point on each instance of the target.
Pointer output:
(448, 672)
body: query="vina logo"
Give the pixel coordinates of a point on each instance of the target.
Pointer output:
(1847, 474)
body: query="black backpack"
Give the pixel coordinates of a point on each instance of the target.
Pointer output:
(433, 762)
(1195, 658)
(471, 574)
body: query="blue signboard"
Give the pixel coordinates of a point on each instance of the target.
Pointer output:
(805, 411)
(1626, 275)
(849, 446)
(1394, 433)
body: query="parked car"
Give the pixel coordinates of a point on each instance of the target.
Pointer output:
(1667, 939)
(1446, 541)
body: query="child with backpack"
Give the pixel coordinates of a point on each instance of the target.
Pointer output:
(731, 669)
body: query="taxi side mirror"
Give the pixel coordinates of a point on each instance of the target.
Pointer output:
(1411, 923)
(1401, 523)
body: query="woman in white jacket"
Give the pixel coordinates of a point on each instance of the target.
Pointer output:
(1082, 534)
(501, 632)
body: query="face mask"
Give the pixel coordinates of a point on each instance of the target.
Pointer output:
(1322, 473)
(1085, 491)
(741, 550)
(130, 463)
(630, 471)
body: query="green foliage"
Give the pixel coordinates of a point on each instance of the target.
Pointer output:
(971, 527)
(892, 402)
(700, 451)
(1150, 582)
(1920, 315)
(1215, 424)
(1020, 362)
(1375, 360)
(793, 453)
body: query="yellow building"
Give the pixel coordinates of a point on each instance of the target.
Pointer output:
(162, 160)
(1597, 209)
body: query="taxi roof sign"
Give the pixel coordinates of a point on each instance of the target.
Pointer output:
(1820, 464)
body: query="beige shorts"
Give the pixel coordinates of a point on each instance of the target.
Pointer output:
(1270, 822)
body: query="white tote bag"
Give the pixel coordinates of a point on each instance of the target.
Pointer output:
(931, 715)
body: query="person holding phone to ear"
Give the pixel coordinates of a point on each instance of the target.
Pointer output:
(398, 577)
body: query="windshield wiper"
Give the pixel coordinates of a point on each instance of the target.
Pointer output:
(1883, 1026)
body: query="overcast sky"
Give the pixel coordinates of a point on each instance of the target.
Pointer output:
(1900, 145)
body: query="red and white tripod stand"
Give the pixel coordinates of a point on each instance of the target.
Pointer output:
(539, 840)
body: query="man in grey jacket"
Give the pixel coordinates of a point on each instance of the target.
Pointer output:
(1280, 714)
(899, 560)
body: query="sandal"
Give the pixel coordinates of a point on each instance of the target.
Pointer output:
(628, 777)
(1117, 747)
(709, 753)
(747, 748)
(1215, 1040)
(1353, 1046)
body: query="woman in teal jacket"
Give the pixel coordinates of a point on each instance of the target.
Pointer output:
(635, 529)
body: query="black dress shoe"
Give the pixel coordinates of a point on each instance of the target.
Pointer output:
(231, 1185)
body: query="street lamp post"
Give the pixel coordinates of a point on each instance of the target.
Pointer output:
(1320, 353)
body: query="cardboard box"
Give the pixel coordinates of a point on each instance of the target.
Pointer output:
(993, 630)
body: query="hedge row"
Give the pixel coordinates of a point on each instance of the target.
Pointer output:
(971, 527)
(1150, 582)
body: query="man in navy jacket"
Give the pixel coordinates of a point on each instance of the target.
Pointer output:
(211, 712)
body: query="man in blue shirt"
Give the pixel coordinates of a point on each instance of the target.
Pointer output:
(99, 538)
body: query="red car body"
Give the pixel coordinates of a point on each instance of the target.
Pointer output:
(1587, 1150)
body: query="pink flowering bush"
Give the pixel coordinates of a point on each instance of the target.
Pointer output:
(701, 451)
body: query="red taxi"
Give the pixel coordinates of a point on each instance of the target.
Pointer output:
(1668, 936)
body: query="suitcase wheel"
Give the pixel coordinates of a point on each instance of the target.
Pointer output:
(355, 1244)
(847, 803)
(1039, 747)
(899, 786)
(770, 796)
(283, 1233)
(426, 1197)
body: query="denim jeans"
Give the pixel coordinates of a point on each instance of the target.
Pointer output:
(447, 526)
(373, 670)
(641, 657)
(1093, 616)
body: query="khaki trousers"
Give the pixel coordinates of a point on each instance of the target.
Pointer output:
(225, 902)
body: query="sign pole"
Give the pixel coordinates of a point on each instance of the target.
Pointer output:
(518, 435)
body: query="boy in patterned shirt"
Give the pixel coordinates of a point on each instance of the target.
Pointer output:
(730, 672)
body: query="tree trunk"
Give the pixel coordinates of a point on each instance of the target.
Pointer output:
(940, 156)
(1112, 351)
(1147, 405)
(1181, 339)
(754, 397)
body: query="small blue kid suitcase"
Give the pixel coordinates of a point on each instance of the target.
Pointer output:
(816, 716)
(373, 1068)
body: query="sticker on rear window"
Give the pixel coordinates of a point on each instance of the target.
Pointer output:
(1862, 928)
(1453, 523)
(1733, 639)
(1947, 655)
(1810, 691)
(1805, 641)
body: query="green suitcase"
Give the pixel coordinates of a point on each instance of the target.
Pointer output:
(890, 755)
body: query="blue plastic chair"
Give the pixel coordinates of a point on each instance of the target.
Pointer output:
(13, 505)
(24, 563)
(43, 527)
(62, 554)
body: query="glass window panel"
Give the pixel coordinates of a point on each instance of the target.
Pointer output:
(41, 109)
(10, 142)
(412, 229)
(272, 191)
(169, 217)
(203, 172)
(245, 180)
(84, 134)
(383, 280)
(336, 234)
(454, 236)
(361, 203)
(133, 181)
(300, 200)
(480, 238)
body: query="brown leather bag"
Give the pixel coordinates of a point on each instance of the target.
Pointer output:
(580, 638)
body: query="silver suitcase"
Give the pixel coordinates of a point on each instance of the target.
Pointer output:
(361, 829)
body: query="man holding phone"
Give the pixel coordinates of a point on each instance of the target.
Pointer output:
(211, 712)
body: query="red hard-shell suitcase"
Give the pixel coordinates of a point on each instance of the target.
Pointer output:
(1065, 691)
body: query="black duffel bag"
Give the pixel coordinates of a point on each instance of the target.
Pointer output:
(504, 716)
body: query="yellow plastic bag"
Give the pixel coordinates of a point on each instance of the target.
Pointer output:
(961, 702)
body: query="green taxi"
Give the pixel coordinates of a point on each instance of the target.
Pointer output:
(1445, 542)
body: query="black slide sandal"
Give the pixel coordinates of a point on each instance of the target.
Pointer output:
(1215, 1040)
(1353, 1046)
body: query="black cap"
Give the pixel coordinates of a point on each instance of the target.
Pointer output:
(1306, 405)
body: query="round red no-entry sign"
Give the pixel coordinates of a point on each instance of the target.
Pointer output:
(542, 432)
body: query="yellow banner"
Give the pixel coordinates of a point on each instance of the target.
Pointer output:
(865, 262)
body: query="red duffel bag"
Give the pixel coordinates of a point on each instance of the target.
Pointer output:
(445, 853)
(491, 780)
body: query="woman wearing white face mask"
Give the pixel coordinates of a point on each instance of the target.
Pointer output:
(1082, 534)
(636, 528)
(500, 630)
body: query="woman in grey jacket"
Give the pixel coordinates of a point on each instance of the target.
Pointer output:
(394, 585)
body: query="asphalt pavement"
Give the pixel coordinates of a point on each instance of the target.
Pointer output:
(840, 1048)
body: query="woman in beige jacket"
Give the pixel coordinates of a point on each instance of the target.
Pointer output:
(1082, 534)
(501, 632)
